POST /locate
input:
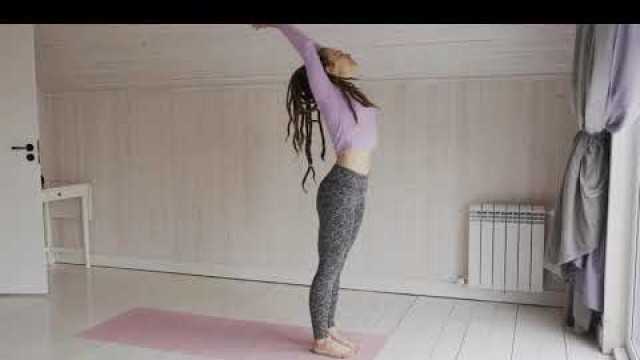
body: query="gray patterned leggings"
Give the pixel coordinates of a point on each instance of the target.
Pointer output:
(340, 205)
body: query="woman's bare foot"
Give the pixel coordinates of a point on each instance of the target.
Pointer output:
(332, 348)
(334, 333)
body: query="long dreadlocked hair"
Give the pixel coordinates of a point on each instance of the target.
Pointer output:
(301, 106)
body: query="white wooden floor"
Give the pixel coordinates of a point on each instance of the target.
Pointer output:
(44, 327)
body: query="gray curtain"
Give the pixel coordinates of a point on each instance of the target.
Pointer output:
(606, 97)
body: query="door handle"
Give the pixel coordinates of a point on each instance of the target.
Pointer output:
(28, 147)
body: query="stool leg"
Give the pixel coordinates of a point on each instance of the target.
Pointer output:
(85, 230)
(47, 232)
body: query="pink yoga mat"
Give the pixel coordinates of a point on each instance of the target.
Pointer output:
(216, 337)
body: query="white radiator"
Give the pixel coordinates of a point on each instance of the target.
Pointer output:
(506, 246)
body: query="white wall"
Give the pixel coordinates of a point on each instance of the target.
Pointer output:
(98, 56)
(180, 128)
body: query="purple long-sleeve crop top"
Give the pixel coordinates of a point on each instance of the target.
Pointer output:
(345, 133)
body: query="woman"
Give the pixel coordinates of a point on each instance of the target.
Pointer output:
(323, 87)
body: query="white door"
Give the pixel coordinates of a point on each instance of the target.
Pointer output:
(633, 339)
(632, 143)
(22, 254)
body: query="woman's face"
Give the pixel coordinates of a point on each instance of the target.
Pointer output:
(339, 63)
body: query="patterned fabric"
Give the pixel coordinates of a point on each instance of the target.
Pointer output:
(340, 205)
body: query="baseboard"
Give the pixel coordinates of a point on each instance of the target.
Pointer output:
(390, 285)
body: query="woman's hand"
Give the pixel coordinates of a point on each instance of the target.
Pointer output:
(263, 26)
